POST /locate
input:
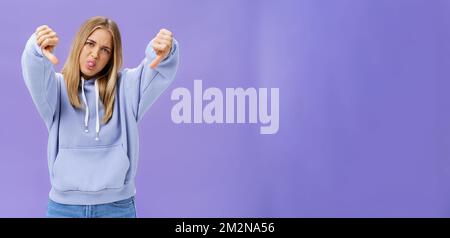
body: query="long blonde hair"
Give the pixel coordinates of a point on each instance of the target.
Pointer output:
(108, 75)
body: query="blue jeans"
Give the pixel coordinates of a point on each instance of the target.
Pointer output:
(120, 209)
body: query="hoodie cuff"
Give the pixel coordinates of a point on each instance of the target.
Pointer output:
(33, 43)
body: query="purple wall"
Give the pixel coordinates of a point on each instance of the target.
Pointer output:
(364, 107)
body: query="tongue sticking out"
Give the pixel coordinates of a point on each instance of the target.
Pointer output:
(91, 64)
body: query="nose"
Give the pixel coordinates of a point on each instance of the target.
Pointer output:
(94, 53)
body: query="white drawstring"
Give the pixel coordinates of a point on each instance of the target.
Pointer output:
(86, 116)
(97, 122)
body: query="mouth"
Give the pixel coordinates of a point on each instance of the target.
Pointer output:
(90, 64)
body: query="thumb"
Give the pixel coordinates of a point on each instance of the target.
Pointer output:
(50, 56)
(156, 61)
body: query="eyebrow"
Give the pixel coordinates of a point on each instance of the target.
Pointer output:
(96, 43)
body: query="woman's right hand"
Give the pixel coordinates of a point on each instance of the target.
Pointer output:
(47, 39)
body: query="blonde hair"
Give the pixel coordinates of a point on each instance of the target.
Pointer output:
(108, 75)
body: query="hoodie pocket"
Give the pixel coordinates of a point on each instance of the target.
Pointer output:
(90, 169)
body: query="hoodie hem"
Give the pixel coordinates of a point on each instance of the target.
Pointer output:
(92, 198)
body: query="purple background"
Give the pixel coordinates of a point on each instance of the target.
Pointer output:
(364, 107)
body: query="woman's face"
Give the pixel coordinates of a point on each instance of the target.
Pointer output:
(96, 52)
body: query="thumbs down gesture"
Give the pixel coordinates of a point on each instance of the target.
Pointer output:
(47, 39)
(162, 45)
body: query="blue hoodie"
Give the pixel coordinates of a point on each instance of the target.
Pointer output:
(89, 162)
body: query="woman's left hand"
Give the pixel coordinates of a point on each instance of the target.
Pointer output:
(162, 44)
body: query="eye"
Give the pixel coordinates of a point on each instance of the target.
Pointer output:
(105, 50)
(90, 43)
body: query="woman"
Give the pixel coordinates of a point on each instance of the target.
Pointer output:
(92, 110)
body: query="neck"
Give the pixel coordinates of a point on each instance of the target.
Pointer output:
(88, 77)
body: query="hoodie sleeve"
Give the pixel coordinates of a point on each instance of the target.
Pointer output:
(40, 79)
(144, 85)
